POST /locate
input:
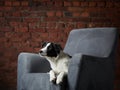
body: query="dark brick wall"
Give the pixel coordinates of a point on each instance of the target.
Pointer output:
(24, 24)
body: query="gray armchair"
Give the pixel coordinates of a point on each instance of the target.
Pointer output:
(91, 66)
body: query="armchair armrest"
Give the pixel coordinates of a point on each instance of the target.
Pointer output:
(30, 63)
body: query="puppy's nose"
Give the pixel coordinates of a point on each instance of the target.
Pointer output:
(41, 51)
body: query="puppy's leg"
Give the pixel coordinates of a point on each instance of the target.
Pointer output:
(60, 77)
(52, 75)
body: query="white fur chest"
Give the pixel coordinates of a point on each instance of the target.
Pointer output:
(59, 65)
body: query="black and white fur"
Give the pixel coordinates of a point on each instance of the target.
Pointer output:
(58, 61)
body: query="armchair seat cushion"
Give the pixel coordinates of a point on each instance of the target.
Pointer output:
(35, 81)
(38, 81)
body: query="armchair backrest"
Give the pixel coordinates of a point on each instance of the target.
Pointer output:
(91, 41)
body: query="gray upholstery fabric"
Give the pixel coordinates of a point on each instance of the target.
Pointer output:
(35, 81)
(91, 41)
(29, 63)
(74, 69)
(91, 66)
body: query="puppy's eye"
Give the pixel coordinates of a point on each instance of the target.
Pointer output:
(50, 48)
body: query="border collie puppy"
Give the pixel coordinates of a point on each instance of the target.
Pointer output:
(58, 60)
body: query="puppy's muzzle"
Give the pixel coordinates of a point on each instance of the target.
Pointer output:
(42, 53)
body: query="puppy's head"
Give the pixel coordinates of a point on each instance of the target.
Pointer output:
(50, 49)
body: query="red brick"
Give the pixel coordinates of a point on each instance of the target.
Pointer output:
(40, 29)
(7, 8)
(58, 3)
(84, 4)
(1, 14)
(51, 24)
(16, 24)
(70, 25)
(7, 14)
(49, 30)
(14, 19)
(81, 25)
(8, 53)
(21, 29)
(50, 19)
(26, 49)
(2, 3)
(1, 8)
(2, 39)
(100, 19)
(19, 36)
(9, 34)
(15, 39)
(23, 24)
(8, 44)
(92, 9)
(39, 37)
(50, 3)
(100, 4)
(43, 24)
(16, 14)
(16, 3)
(41, 13)
(50, 13)
(67, 3)
(26, 44)
(25, 37)
(37, 49)
(53, 37)
(6, 29)
(8, 3)
(31, 19)
(33, 25)
(44, 36)
(24, 3)
(2, 34)
(117, 4)
(60, 25)
(82, 19)
(84, 14)
(75, 9)
(68, 19)
(25, 14)
(2, 19)
(109, 4)
(76, 14)
(35, 44)
(96, 14)
(59, 13)
(92, 4)
(67, 31)
(76, 3)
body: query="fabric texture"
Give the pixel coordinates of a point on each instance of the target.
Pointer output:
(91, 66)
(91, 41)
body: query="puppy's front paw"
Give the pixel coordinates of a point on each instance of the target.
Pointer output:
(59, 80)
(52, 76)
(52, 79)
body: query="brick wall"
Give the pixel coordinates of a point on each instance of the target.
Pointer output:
(24, 24)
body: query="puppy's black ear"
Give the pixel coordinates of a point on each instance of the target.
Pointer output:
(58, 48)
(44, 44)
